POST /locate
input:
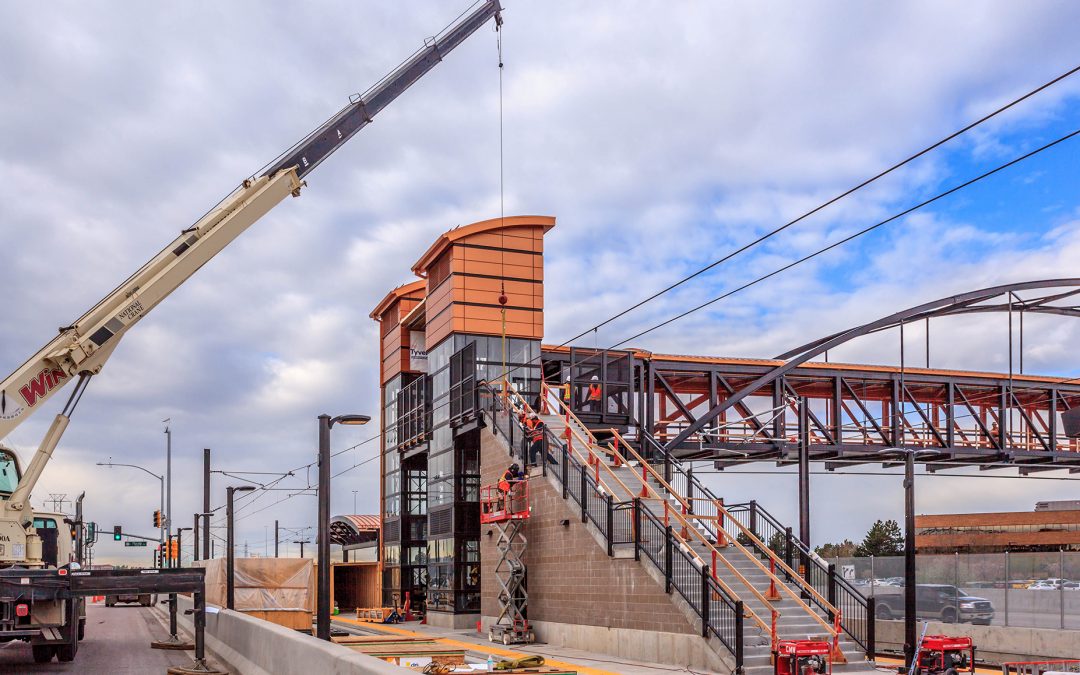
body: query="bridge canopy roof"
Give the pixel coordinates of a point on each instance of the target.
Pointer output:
(355, 529)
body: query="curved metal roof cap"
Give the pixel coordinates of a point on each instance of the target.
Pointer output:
(447, 238)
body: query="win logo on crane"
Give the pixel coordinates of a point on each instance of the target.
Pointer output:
(41, 384)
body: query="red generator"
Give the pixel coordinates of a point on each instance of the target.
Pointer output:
(802, 657)
(945, 654)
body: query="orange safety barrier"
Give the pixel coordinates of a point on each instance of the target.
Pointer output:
(837, 654)
(773, 594)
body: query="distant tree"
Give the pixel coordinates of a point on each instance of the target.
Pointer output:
(778, 543)
(883, 538)
(845, 549)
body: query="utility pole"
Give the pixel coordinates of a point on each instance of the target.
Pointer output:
(206, 502)
(277, 538)
(910, 637)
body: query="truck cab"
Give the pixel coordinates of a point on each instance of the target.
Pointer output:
(37, 613)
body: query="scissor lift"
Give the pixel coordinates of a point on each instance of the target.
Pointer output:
(507, 510)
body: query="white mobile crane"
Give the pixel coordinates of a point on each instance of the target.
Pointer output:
(34, 604)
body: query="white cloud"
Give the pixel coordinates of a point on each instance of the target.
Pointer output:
(669, 135)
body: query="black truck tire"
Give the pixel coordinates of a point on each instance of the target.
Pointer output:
(82, 628)
(66, 653)
(144, 600)
(42, 653)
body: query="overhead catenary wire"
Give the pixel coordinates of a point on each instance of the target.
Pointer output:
(827, 203)
(743, 248)
(851, 237)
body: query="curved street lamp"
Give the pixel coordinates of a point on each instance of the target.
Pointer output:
(161, 529)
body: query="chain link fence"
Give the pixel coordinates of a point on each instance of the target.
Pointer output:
(1036, 590)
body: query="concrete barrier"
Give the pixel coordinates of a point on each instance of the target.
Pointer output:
(255, 647)
(993, 643)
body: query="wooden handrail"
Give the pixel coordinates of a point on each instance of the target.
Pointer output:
(583, 441)
(690, 528)
(721, 511)
(753, 558)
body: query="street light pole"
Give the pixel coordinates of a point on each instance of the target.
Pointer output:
(230, 555)
(322, 620)
(168, 477)
(206, 502)
(161, 479)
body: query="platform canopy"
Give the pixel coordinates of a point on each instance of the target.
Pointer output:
(349, 531)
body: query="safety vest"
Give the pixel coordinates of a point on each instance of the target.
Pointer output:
(594, 392)
(535, 429)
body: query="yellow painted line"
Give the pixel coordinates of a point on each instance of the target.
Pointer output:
(473, 647)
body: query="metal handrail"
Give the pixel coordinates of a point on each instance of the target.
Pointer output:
(724, 512)
(734, 540)
(747, 611)
(583, 441)
(684, 523)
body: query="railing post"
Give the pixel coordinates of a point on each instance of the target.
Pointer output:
(830, 595)
(753, 519)
(871, 626)
(637, 529)
(584, 495)
(789, 552)
(705, 601)
(565, 472)
(668, 559)
(739, 609)
(610, 527)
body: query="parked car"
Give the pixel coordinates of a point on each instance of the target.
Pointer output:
(112, 600)
(1071, 586)
(938, 602)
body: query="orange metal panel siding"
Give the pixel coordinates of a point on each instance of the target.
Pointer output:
(483, 265)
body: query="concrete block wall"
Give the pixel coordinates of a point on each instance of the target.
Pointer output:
(578, 596)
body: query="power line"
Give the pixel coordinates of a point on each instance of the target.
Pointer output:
(856, 235)
(826, 204)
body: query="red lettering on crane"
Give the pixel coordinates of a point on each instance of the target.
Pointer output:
(41, 384)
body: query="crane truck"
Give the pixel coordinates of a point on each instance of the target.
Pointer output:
(39, 597)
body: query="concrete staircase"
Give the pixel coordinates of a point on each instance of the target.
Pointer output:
(624, 483)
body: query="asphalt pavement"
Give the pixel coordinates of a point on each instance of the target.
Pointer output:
(117, 641)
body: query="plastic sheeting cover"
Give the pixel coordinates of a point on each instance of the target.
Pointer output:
(263, 584)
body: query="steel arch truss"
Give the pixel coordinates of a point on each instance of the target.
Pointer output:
(732, 410)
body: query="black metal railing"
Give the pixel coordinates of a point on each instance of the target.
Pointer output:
(856, 610)
(627, 523)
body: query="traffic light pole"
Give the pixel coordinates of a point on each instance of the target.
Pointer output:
(206, 503)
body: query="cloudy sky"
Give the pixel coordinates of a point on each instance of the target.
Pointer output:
(660, 134)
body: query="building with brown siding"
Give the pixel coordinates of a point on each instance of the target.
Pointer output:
(997, 532)
(478, 303)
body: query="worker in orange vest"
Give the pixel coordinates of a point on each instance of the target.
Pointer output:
(534, 432)
(592, 400)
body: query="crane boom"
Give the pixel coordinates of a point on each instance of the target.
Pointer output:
(82, 348)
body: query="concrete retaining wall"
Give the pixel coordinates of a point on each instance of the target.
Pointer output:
(255, 647)
(993, 643)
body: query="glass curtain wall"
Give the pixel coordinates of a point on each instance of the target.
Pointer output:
(453, 489)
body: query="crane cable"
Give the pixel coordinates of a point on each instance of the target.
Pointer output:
(502, 206)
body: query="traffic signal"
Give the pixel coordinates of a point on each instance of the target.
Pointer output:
(91, 531)
(116, 533)
(174, 549)
(157, 519)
